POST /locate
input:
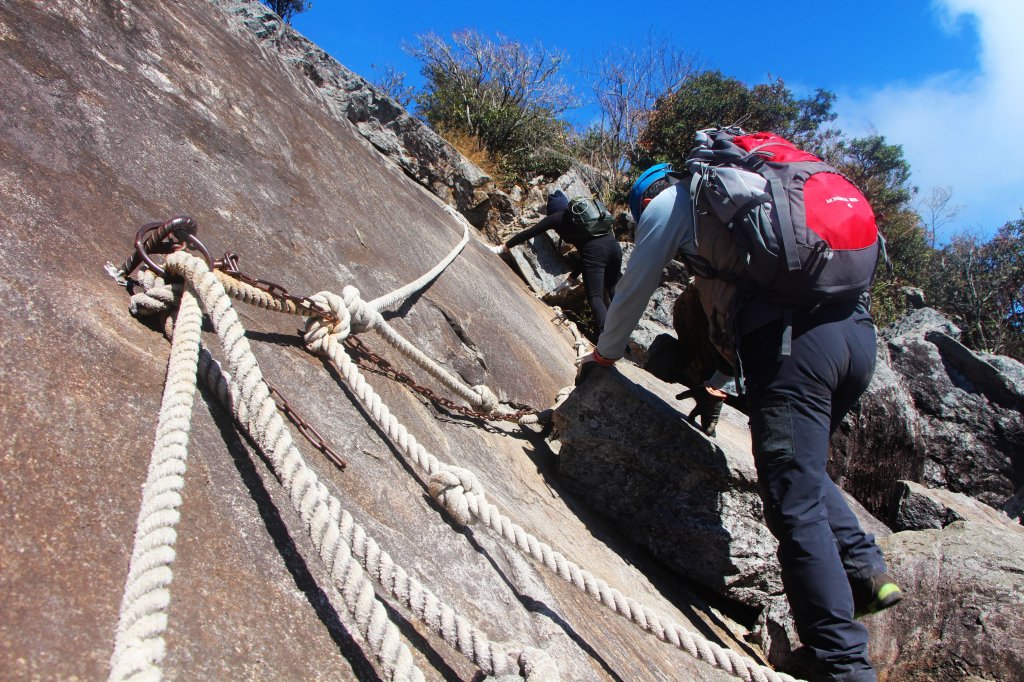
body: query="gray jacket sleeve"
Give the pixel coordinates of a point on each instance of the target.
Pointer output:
(665, 224)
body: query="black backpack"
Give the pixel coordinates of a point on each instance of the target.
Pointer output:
(591, 215)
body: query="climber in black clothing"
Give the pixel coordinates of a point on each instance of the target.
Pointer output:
(601, 256)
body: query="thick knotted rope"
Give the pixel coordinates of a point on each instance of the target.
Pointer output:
(463, 499)
(340, 541)
(254, 407)
(355, 316)
(352, 316)
(462, 496)
(139, 645)
(450, 488)
(157, 296)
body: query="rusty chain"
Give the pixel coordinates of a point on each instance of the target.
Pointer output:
(229, 266)
(180, 232)
(367, 359)
(305, 428)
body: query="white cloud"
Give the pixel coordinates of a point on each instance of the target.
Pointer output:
(961, 130)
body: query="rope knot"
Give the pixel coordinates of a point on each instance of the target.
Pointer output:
(536, 665)
(319, 330)
(487, 401)
(364, 317)
(451, 489)
(157, 296)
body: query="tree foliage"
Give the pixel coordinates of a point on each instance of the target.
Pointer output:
(626, 83)
(937, 211)
(981, 286)
(507, 96)
(710, 99)
(391, 82)
(286, 9)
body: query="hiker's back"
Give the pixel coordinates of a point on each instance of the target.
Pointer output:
(586, 219)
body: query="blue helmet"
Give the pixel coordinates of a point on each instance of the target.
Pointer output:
(646, 179)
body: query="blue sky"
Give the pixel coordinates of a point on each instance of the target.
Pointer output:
(942, 78)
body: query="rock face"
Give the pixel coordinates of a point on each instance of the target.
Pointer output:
(416, 149)
(116, 114)
(691, 500)
(964, 609)
(944, 416)
(915, 507)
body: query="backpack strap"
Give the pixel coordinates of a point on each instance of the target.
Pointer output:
(749, 204)
(786, 345)
(884, 252)
(781, 203)
(785, 218)
(696, 180)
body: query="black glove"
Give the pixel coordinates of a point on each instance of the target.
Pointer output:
(708, 408)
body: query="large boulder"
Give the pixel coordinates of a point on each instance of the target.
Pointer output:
(692, 502)
(935, 413)
(964, 610)
(625, 446)
(116, 114)
(657, 316)
(915, 507)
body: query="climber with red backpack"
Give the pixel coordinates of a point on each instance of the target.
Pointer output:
(783, 250)
(586, 224)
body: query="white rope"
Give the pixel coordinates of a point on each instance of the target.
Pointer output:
(579, 343)
(343, 544)
(462, 497)
(139, 645)
(455, 489)
(459, 492)
(361, 316)
(388, 300)
(545, 416)
(254, 407)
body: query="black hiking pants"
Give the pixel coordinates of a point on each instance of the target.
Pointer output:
(602, 268)
(795, 403)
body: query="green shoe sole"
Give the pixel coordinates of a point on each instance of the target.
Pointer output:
(888, 595)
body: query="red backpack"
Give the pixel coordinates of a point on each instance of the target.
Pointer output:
(775, 224)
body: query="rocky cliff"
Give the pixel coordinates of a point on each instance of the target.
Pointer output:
(118, 114)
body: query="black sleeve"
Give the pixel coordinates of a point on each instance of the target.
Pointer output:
(549, 221)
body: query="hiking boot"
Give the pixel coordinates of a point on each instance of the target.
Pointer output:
(875, 594)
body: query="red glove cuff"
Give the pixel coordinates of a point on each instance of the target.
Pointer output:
(601, 360)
